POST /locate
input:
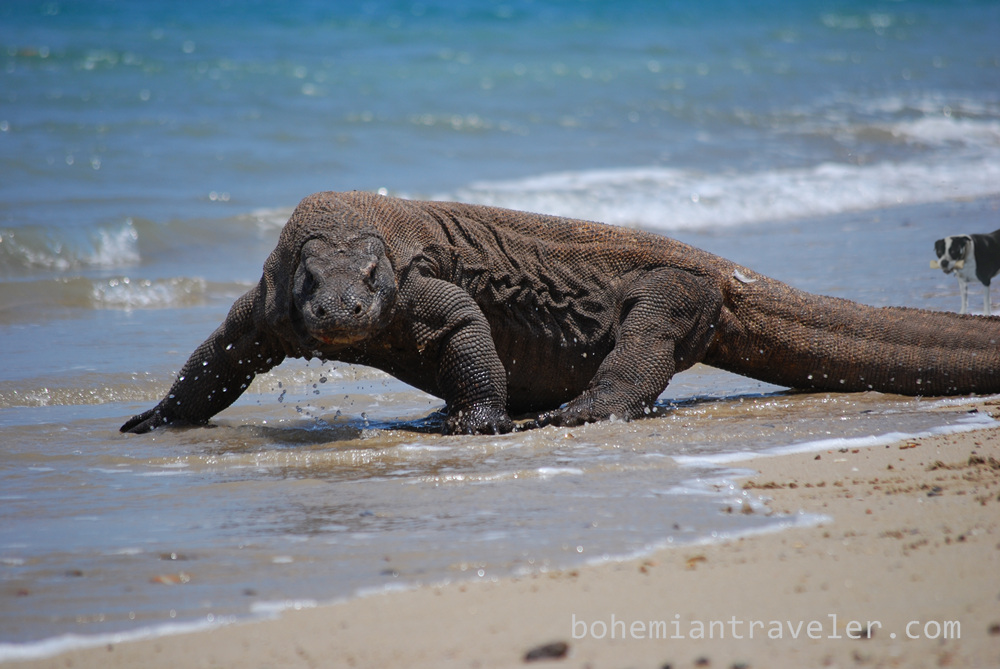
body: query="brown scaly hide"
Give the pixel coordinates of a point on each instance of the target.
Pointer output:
(776, 333)
(502, 312)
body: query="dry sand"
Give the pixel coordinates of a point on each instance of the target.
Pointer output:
(911, 548)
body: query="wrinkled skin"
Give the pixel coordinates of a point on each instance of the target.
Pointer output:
(501, 313)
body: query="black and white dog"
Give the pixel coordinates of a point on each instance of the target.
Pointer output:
(972, 258)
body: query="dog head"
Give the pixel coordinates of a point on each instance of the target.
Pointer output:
(952, 250)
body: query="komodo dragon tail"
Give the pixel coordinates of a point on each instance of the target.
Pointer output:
(773, 332)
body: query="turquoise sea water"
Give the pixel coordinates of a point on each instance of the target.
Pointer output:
(150, 151)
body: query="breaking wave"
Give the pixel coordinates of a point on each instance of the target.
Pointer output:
(125, 293)
(662, 198)
(949, 156)
(33, 248)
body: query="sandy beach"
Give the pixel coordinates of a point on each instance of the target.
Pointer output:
(903, 570)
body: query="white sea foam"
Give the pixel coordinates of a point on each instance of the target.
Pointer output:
(930, 103)
(274, 608)
(549, 472)
(269, 219)
(977, 421)
(662, 198)
(964, 162)
(427, 448)
(796, 520)
(10, 652)
(942, 130)
(114, 248)
(126, 293)
(33, 247)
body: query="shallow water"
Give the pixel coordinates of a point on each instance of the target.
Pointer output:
(150, 153)
(345, 493)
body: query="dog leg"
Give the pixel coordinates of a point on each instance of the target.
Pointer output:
(986, 301)
(963, 288)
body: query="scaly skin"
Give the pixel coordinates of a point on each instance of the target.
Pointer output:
(501, 312)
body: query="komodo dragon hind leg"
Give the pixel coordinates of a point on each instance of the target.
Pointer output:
(667, 323)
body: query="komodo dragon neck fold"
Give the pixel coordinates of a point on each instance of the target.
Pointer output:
(501, 312)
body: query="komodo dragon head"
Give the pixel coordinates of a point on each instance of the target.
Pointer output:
(333, 284)
(343, 289)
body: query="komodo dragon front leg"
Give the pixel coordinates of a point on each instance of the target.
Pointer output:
(217, 373)
(449, 326)
(666, 325)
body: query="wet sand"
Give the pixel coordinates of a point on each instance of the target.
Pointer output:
(908, 545)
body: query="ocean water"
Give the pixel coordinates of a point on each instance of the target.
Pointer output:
(151, 151)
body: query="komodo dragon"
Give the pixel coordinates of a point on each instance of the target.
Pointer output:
(502, 313)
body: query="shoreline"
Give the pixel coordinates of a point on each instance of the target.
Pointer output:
(909, 546)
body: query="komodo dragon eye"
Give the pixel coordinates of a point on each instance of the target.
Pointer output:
(309, 283)
(368, 273)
